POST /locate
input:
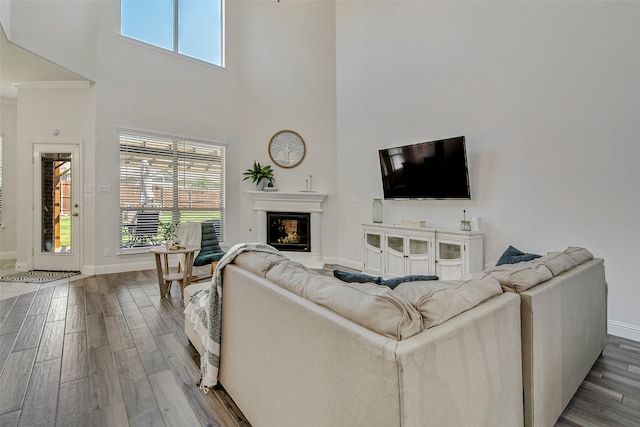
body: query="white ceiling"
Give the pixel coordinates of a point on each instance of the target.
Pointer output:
(18, 65)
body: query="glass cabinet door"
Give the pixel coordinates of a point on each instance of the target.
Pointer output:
(394, 255)
(418, 247)
(449, 251)
(395, 243)
(419, 256)
(373, 252)
(373, 240)
(449, 260)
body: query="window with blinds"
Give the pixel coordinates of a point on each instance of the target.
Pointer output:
(165, 180)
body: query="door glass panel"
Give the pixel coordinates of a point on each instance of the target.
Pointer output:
(450, 251)
(56, 202)
(395, 243)
(418, 247)
(373, 240)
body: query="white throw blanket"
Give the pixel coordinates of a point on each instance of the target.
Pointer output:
(189, 234)
(205, 311)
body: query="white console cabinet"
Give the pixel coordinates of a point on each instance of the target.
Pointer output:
(393, 250)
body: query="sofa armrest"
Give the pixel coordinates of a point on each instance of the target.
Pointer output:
(466, 371)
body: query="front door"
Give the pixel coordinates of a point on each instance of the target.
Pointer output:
(56, 207)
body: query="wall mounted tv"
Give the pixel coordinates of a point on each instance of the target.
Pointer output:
(426, 170)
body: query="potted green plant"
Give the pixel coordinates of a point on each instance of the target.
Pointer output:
(169, 233)
(259, 174)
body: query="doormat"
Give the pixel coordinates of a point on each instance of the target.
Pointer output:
(38, 276)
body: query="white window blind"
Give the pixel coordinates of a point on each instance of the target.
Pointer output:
(164, 180)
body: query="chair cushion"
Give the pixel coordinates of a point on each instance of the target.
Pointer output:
(210, 250)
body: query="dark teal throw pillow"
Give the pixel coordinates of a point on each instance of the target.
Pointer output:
(349, 277)
(513, 256)
(395, 281)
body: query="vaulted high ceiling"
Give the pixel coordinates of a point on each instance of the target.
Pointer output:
(18, 65)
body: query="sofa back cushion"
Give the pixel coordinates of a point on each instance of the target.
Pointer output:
(258, 262)
(375, 307)
(524, 275)
(521, 276)
(439, 301)
(559, 262)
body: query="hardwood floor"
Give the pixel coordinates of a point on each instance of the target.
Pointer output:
(103, 350)
(107, 350)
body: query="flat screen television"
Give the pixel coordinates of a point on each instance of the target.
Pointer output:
(426, 170)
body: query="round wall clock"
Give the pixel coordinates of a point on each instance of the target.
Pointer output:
(287, 148)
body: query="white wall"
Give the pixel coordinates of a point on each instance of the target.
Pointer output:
(547, 95)
(280, 74)
(287, 56)
(63, 31)
(40, 110)
(8, 124)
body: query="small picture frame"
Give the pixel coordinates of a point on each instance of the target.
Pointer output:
(287, 149)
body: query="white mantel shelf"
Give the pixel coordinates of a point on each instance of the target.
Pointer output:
(285, 201)
(280, 201)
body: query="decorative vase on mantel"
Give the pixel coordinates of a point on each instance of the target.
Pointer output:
(377, 211)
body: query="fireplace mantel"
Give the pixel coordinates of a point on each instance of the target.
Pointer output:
(301, 201)
(282, 201)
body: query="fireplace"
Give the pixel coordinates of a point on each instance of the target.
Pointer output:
(289, 231)
(293, 203)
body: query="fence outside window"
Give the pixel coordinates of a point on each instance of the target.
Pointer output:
(165, 180)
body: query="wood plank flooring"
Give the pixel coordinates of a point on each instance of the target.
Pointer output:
(108, 351)
(103, 351)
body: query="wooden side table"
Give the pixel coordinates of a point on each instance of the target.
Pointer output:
(165, 278)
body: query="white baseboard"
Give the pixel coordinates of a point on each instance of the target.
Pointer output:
(94, 270)
(22, 266)
(624, 330)
(344, 262)
(8, 255)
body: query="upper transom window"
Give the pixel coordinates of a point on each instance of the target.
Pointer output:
(190, 27)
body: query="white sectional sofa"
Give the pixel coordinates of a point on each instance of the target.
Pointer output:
(299, 348)
(303, 349)
(564, 326)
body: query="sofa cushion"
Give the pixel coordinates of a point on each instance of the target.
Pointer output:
(375, 307)
(512, 256)
(258, 262)
(439, 301)
(559, 262)
(578, 254)
(521, 276)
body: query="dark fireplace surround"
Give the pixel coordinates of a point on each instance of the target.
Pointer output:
(289, 231)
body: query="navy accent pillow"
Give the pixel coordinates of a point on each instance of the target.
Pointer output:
(513, 256)
(395, 281)
(347, 276)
